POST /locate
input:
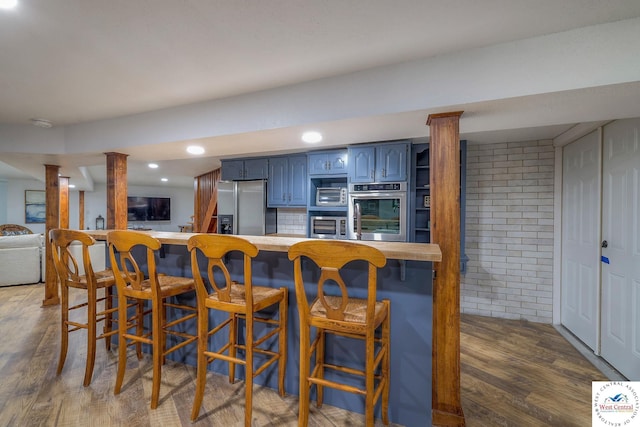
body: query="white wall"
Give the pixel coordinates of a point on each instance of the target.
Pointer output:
(182, 200)
(95, 203)
(14, 202)
(509, 230)
(3, 201)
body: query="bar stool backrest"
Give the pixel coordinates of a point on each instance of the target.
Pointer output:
(214, 248)
(330, 256)
(126, 270)
(64, 262)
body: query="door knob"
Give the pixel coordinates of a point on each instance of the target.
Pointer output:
(604, 244)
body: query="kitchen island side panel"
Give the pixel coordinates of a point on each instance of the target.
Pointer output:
(411, 327)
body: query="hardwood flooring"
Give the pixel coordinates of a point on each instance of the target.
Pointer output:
(513, 374)
(518, 373)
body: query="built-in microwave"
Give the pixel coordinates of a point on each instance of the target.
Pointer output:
(328, 227)
(331, 196)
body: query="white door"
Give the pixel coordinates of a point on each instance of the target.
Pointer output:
(620, 341)
(581, 238)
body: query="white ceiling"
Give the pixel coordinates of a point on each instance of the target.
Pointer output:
(94, 68)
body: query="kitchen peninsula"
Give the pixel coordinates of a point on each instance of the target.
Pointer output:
(406, 281)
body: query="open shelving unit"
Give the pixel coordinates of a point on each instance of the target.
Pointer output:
(420, 195)
(421, 224)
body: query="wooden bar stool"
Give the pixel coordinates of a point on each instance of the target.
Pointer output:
(240, 300)
(158, 289)
(72, 276)
(342, 315)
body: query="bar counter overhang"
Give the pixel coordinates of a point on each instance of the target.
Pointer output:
(406, 281)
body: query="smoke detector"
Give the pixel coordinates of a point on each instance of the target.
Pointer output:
(41, 123)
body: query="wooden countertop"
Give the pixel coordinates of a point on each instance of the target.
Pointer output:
(392, 250)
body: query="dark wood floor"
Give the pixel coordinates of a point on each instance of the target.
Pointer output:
(518, 373)
(513, 374)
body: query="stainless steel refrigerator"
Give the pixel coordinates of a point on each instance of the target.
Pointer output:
(243, 205)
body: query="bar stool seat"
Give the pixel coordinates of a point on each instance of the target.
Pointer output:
(333, 311)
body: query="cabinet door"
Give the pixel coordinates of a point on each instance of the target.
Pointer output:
(318, 163)
(256, 169)
(232, 170)
(391, 162)
(362, 164)
(337, 161)
(328, 163)
(277, 183)
(297, 182)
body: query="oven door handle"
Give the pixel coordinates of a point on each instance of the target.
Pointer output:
(358, 214)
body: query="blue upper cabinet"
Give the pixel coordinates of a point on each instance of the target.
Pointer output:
(277, 183)
(332, 162)
(362, 164)
(244, 169)
(287, 184)
(298, 180)
(378, 162)
(391, 162)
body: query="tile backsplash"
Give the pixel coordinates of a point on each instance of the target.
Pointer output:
(292, 221)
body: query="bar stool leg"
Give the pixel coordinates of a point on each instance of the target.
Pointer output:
(108, 318)
(122, 343)
(248, 374)
(282, 342)
(91, 334)
(386, 339)
(303, 405)
(201, 373)
(158, 351)
(139, 326)
(320, 362)
(369, 380)
(64, 317)
(233, 337)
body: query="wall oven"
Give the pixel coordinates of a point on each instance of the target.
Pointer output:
(328, 227)
(378, 211)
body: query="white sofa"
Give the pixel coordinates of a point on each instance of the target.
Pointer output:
(22, 256)
(20, 259)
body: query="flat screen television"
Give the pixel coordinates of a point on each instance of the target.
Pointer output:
(148, 208)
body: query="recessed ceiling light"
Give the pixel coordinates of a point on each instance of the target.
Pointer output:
(8, 4)
(41, 123)
(312, 137)
(195, 149)
(164, 179)
(153, 165)
(72, 186)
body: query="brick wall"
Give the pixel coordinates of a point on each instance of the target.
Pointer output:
(509, 231)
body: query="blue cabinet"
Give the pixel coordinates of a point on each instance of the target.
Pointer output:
(332, 162)
(379, 162)
(287, 184)
(362, 164)
(244, 169)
